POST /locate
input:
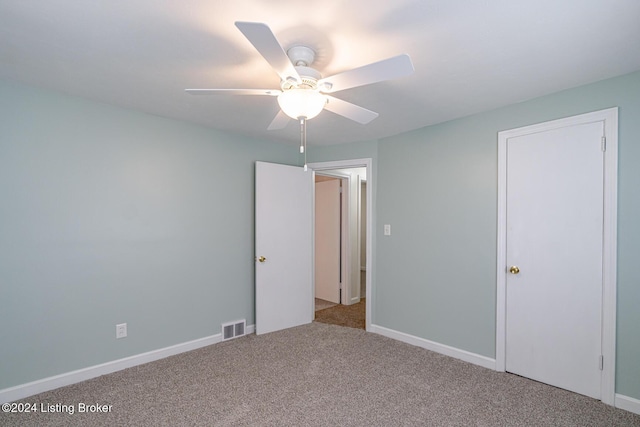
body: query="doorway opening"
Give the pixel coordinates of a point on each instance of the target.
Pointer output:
(350, 268)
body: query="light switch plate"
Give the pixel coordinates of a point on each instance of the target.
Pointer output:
(387, 229)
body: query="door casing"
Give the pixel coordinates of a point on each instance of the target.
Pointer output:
(370, 220)
(610, 119)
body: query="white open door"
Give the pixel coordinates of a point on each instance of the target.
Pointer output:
(284, 247)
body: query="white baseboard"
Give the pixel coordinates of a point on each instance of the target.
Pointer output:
(29, 389)
(467, 356)
(627, 403)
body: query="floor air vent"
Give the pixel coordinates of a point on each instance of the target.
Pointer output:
(233, 329)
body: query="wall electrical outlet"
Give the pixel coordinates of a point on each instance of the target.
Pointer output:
(387, 229)
(121, 330)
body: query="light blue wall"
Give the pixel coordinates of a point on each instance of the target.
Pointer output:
(355, 150)
(437, 187)
(436, 272)
(109, 216)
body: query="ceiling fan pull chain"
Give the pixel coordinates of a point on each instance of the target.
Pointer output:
(303, 140)
(302, 134)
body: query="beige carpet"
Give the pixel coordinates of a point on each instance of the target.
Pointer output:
(317, 375)
(352, 316)
(322, 304)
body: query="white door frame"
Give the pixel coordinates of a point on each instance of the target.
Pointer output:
(358, 163)
(610, 119)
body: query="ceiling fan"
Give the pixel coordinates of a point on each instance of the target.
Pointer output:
(303, 92)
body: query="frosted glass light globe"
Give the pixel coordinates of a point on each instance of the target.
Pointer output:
(301, 103)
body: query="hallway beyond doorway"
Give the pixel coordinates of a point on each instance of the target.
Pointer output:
(351, 316)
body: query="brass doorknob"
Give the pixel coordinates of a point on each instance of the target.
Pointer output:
(262, 259)
(514, 269)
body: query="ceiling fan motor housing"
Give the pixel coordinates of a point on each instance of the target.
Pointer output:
(302, 57)
(308, 79)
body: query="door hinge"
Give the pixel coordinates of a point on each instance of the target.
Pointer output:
(601, 363)
(604, 143)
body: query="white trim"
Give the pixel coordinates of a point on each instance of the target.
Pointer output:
(610, 119)
(332, 174)
(501, 293)
(29, 389)
(368, 164)
(467, 356)
(345, 241)
(628, 403)
(610, 262)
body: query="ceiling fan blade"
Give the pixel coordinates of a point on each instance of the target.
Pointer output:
(270, 92)
(387, 69)
(280, 121)
(263, 39)
(349, 110)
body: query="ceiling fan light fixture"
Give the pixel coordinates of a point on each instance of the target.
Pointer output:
(301, 103)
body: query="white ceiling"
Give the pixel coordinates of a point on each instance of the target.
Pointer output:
(470, 56)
